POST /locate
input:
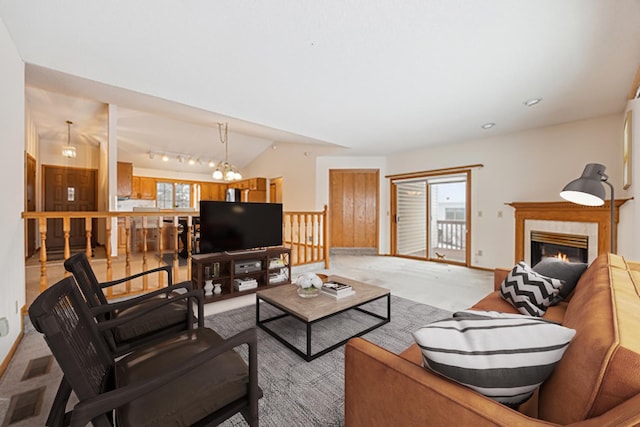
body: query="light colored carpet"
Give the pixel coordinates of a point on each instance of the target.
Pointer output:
(444, 286)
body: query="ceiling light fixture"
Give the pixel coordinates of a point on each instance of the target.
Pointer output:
(531, 102)
(225, 170)
(69, 151)
(165, 158)
(488, 125)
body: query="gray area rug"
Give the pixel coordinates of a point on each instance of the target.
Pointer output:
(300, 393)
(296, 392)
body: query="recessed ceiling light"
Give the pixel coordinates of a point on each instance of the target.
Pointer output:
(165, 158)
(531, 102)
(488, 125)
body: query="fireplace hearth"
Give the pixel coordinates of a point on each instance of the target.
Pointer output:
(568, 247)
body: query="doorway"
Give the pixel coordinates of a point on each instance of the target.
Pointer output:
(430, 218)
(68, 189)
(275, 190)
(30, 204)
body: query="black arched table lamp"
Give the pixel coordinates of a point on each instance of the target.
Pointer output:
(589, 191)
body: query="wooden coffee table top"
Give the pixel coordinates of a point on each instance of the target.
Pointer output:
(309, 309)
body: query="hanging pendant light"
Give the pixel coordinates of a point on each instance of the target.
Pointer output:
(69, 151)
(225, 170)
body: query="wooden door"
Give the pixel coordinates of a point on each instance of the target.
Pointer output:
(353, 208)
(68, 189)
(30, 204)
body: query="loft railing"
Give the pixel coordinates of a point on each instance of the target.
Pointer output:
(151, 239)
(306, 233)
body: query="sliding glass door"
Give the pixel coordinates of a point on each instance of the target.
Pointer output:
(431, 218)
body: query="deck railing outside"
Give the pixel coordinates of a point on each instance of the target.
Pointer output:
(451, 234)
(153, 239)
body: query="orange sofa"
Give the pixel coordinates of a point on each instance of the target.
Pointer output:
(597, 382)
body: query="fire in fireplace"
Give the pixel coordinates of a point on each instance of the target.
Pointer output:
(569, 247)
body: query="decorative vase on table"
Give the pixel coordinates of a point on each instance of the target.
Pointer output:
(208, 288)
(309, 285)
(217, 288)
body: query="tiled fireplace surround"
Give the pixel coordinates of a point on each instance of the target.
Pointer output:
(563, 217)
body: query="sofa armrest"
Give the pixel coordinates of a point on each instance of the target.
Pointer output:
(499, 274)
(382, 388)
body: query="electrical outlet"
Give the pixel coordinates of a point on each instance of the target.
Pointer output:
(479, 253)
(479, 213)
(499, 214)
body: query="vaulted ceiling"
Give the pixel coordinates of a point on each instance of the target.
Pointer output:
(372, 76)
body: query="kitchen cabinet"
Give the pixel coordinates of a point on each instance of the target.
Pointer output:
(124, 178)
(143, 188)
(212, 191)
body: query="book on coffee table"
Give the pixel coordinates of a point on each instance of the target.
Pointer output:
(336, 288)
(339, 295)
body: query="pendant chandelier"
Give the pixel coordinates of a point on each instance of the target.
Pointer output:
(69, 151)
(225, 170)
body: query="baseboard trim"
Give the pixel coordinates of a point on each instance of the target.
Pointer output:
(12, 352)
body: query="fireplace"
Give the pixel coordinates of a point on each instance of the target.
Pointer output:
(569, 247)
(566, 218)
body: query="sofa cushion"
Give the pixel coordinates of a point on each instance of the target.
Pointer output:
(529, 292)
(505, 358)
(568, 272)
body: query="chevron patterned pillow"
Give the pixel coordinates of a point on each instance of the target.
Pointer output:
(504, 358)
(529, 292)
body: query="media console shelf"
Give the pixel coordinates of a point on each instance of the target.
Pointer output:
(241, 273)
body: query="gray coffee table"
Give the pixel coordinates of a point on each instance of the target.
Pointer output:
(313, 310)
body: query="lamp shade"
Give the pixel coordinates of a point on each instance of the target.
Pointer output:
(588, 189)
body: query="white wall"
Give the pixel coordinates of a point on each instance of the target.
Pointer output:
(12, 135)
(296, 165)
(532, 165)
(87, 155)
(527, 166)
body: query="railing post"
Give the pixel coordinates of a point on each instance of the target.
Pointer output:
(145, 278)
(42, 229)
(160, 248)
(189, 244)
(325, 236)
(66, 230)
(88, 230)
(108, 248)
(176, 264)
(127, 250)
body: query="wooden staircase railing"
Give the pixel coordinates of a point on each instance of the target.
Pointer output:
(304, 232)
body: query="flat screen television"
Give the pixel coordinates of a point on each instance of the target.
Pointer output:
(238, 226)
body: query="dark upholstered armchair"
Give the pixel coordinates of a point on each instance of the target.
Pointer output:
(191, 378)
(149, 317)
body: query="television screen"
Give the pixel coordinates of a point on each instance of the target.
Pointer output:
(234, 226)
